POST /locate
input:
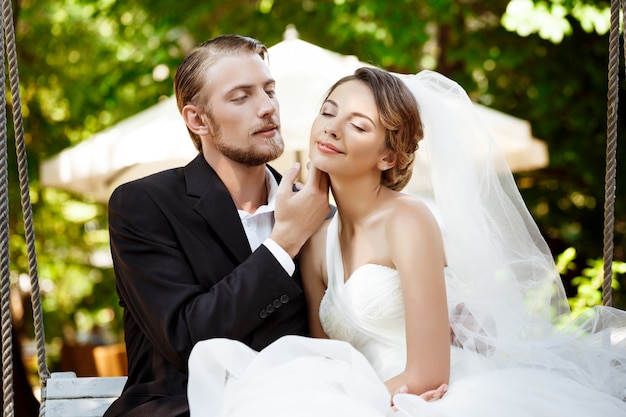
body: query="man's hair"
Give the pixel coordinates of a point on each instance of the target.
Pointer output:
(191, 81)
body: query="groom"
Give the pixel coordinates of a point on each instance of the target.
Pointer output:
(207, 250)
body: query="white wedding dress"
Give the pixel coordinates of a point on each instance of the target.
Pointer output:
(297, 376)
(513, 355)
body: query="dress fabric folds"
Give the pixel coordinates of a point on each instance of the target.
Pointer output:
(299, 376)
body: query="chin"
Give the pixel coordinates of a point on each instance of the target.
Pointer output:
(319, 164)
(315, 160)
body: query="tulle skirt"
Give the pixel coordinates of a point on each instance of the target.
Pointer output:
(300, 377)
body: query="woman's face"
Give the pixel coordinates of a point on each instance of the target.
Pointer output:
(347, 136)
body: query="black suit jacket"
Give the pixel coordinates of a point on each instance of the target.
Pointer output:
(185, 272)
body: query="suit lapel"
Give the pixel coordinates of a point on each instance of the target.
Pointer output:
(214, 203)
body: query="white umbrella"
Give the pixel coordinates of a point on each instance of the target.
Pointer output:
(147, 142)
(157, 138)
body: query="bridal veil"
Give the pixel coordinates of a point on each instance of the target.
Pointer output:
(505, 294)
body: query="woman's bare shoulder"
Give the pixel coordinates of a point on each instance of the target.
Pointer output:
(410, 207)
(313, 253)
(409, 217)
(319, 238)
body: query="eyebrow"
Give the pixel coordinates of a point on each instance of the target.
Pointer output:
(358, 114)
(249, 86)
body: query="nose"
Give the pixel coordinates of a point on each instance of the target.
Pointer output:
(267, 106)
(330, 130)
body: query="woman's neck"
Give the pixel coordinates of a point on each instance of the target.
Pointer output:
(357, 199)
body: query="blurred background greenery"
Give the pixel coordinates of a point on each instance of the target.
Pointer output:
(86, 64)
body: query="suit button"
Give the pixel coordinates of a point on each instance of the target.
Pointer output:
(269, 308)
(277, 303)
(284, 299)
(263, 314)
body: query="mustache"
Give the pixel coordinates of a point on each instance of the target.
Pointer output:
(268, 125)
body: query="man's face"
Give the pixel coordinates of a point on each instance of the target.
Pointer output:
(243, 110)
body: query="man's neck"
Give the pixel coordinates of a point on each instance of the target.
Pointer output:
(246, 184)
(250, 197)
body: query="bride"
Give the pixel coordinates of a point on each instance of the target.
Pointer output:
(450, 285)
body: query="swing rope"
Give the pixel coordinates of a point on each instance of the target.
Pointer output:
(7, 343)
(611, 151)
(7, 362)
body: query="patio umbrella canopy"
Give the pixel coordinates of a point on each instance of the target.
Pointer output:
(157, 139)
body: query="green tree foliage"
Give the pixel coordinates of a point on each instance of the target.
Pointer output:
(87, 64)
(589, 283)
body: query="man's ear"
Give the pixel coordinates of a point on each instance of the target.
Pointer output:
(387, 161)
(194, 120)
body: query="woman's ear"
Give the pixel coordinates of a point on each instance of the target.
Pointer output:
(194, 120)
(387, 161)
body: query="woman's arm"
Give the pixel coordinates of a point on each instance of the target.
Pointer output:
(313, 271)
(416, 249)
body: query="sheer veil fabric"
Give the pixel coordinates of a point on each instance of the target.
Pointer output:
(506, 297)
(515, 353)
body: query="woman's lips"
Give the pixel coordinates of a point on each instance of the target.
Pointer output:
(327, 148)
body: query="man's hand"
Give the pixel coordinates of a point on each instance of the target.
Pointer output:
(472, 334)
(299, 214)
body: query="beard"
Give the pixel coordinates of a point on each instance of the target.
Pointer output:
(248, 155)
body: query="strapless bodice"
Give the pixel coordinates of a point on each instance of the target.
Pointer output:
(367, 311)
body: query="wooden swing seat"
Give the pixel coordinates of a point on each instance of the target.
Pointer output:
(69, 396)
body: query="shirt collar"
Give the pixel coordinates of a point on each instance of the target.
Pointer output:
(272, 189)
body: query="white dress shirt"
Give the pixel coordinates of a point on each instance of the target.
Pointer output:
(258, 226)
